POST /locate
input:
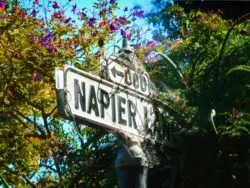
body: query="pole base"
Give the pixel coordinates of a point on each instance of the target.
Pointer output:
(132, 170)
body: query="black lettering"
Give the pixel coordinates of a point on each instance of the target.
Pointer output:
(93, 101)
(136, 80)
(79, 96)
(148, 117)
(131, 114)
(121, 110)
(104, 103)
(144, 84)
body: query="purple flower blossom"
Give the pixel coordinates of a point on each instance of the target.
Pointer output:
(2, 5)
(36, 2)
(34, 12)
(37, 77)
(114, 26)
(92, 21)
(67, 20)
(138, 13)
(126, 33)
(74, 9)
(55, 5)
(112, 2)
(151, 44)
(47, 38)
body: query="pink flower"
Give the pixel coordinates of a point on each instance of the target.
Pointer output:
(23, 14)
(57, 15)
(126, 33)
(114, 26)
(36, 2)
(151, 44)
(2, 5)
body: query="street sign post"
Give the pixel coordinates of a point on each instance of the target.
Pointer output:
(119, 102)
(99, 102)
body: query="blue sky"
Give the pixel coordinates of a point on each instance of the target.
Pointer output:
(146, 4)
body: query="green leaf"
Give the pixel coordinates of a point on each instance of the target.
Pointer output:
(240, 69)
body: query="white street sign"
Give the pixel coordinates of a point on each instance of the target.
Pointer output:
(137, 81)
(103, 103)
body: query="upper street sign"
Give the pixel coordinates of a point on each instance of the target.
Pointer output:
(100, 102)
(121, 74)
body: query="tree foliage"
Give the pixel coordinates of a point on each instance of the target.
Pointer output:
(212, 53)
(37, 147)
(202, 81)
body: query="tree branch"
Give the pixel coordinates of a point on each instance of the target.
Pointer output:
(30, 121)
(49, 167)
(52, 111)
(27, 180)
(45, 121)
(34, 136)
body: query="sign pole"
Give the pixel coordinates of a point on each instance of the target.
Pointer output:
(131, 167)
